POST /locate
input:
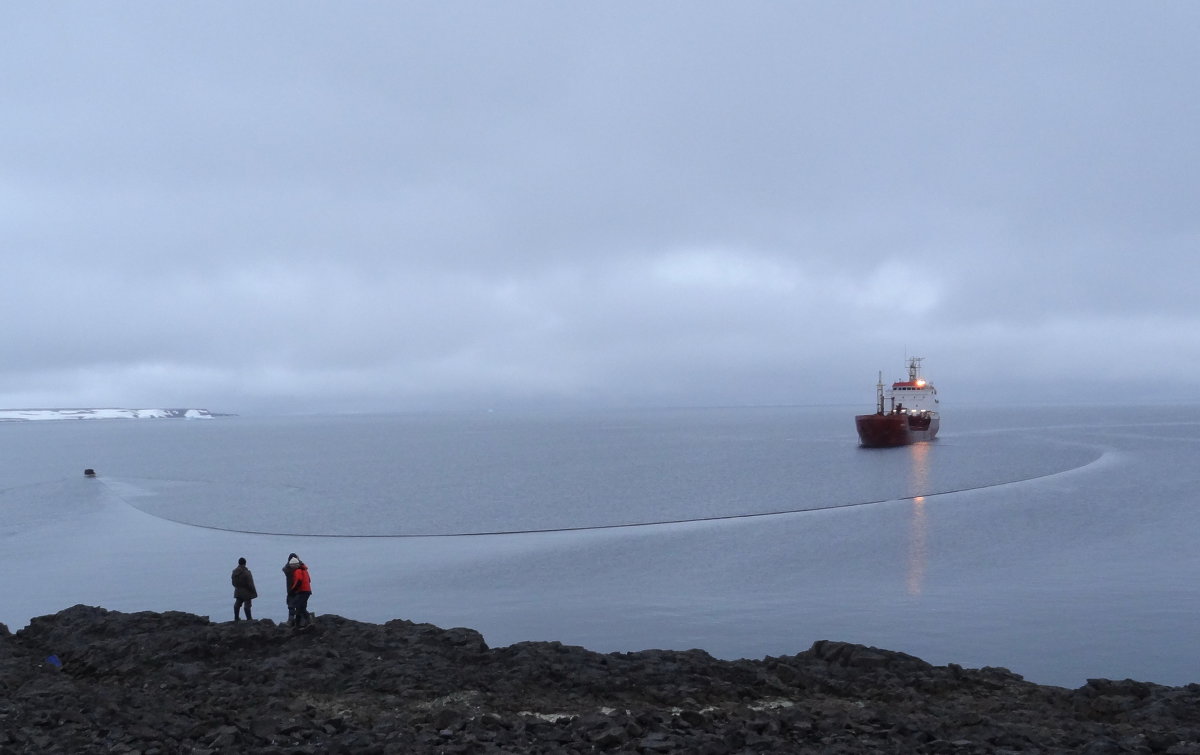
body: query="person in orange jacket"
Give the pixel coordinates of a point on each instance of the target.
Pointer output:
(299, 592)
(289, 568)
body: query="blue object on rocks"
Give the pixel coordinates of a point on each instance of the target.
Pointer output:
(54, 661)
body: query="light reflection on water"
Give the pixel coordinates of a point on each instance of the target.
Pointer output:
(918, 484)
(917, 555)
(918, 470)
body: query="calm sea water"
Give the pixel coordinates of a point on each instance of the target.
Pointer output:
(1058, 542)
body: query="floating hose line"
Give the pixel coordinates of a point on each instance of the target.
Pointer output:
(621, 525)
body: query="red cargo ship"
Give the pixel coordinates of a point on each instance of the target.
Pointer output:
(905, 414)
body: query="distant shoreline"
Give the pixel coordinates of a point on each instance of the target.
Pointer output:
(40, 415)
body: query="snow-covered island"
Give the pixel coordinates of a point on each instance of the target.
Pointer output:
(23, 415)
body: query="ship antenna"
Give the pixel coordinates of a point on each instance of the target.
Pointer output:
(914, 367)
(879, 393)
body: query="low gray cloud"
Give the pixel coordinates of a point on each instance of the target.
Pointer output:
(475, 204)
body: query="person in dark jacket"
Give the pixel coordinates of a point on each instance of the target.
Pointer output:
(243, 590)
(301, 589)
(288, 569)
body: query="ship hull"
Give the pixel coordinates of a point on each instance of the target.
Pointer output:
(888, 430)
(923, 428)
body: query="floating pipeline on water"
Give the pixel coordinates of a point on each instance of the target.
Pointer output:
(1100, 459)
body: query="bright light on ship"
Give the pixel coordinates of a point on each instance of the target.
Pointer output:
(920, 383)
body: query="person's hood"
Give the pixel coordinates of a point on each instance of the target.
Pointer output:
(293, 560)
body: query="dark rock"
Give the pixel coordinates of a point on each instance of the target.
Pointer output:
(610, 737)
(174, 682)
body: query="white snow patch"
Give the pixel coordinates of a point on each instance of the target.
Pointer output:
(23, 415)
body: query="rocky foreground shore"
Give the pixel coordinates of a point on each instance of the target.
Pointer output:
(91, 680)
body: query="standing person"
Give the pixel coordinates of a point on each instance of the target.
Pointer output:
(288, 569)
(301, 589)
(243, 590)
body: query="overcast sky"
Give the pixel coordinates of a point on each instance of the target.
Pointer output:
(358, 206)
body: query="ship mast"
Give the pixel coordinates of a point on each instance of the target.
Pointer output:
(914, 368)
(879, 393)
